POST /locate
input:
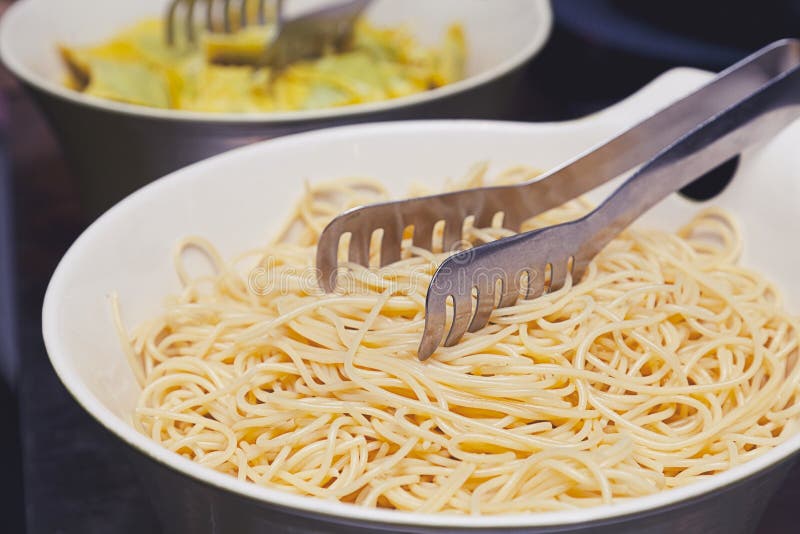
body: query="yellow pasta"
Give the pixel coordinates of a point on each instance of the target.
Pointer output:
(666, 364)
(223, 73)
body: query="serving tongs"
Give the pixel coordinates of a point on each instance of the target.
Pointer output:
(306, 36)
(746, 103)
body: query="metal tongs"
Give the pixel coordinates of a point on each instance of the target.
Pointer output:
(746, 103)
(306, 36)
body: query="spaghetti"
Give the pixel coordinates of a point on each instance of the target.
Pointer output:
(667, 364)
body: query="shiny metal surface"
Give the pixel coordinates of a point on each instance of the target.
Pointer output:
(186, 505)
(746, 103)
(311, 34)
(308, 35)
(183, 12)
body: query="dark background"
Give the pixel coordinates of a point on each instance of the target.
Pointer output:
(60, 471)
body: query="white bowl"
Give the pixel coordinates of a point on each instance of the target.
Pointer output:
(231, 200)
(117, 147)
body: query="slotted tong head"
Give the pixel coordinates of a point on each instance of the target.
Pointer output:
(306, 36)
(744, 104)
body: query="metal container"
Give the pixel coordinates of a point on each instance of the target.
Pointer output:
(237, 199)
(187, 505)
(116, 148)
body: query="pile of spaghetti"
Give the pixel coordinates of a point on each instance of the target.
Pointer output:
(667, 363)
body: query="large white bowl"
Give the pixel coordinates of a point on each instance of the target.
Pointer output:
(238, 198)
(117, 147)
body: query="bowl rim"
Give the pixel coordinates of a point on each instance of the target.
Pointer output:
(312, 505)
(541, 8)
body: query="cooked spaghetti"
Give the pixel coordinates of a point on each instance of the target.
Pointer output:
(666, 364)
(225, 73)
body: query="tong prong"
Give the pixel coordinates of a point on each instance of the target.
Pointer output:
(244, 13)
(230, 10)
(391, 241)
(172, 13)
(423, 234)
(485, 304)
(358, 251)
(453, 233)
(485, 218)
(435, 322)
(536, 282)
(210, 15)
(558, 274)
(226, 16)
(261, 12)
(462, 316)
(189, 22)
(511, 290)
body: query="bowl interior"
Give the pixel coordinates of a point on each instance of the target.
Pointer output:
(236, 200)
(32, 30)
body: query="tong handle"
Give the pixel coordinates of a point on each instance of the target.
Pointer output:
(647, 138)
(757, 117)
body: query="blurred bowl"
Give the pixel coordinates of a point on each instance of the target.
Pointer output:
(116, 147)
(237, 199)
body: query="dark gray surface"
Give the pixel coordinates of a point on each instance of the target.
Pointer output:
(75, 477)
(10, 457)
(77, 480)
(9, 360)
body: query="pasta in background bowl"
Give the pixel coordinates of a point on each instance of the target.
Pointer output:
(233, 206)
(137, 66)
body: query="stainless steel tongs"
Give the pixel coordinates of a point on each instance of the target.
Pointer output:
(306, 36)
(746, 103)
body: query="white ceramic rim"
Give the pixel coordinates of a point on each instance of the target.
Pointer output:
(312, 505)
(19, 69)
